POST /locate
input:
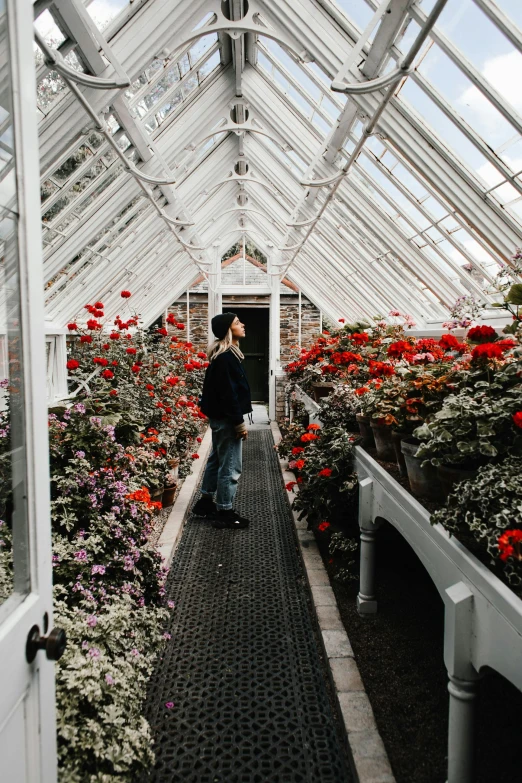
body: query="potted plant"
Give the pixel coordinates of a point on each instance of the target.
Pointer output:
(484, 513)
(474, 427)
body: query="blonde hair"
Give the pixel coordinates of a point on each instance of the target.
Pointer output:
(220, 346)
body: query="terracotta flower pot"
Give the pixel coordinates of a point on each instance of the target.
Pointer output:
(424, 481)
(449, 475)
(382, 434)
(167, 498)
(365, 430)
(397, 436)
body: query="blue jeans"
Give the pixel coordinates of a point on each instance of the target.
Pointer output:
(224, 464)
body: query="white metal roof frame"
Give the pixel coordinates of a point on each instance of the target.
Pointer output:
(213, 149)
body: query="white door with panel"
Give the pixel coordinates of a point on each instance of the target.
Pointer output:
(27, 642)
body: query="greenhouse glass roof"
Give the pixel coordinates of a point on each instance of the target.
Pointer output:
(169, 129)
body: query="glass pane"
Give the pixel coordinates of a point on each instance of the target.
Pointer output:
(14, 572)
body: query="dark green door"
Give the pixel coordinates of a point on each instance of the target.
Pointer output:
(255, 347)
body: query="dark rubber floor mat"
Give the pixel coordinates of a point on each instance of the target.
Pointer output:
(244, 669)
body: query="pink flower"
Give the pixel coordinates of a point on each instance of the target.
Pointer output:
(98, 569)
(80, 555)
(94, 652)
(109, 680)
(92, 621)
(394, 313)
(169, 705)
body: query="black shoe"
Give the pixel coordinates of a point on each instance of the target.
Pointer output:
(204, 508)
(230, 520)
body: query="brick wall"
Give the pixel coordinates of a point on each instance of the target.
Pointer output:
(198, 321)
(310, 325)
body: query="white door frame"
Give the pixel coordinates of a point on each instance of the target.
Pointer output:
(27, 704)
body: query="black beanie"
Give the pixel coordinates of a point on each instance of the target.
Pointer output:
(222, 323)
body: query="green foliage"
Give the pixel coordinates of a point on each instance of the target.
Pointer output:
(6, 562)
(339, 409)
(476, 425)
(485, 507)
(100, 682)
(514, 295)
(321, 497)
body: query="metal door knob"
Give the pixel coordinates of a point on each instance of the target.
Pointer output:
(54, 644)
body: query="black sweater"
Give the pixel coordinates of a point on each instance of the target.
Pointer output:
(226, 392)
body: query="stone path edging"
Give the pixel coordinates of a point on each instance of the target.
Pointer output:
(371, 760)
(171, 533)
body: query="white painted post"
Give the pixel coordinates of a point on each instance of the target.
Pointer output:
(275, 335)
(215, 304)
(462, 686)
(366, 603)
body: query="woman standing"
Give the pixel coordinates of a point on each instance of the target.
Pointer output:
(225, 399)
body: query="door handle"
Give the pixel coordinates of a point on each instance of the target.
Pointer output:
(54, 644)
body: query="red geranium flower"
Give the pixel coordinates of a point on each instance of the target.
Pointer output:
(342, 320)
(114, 335)
(517, 418)
(86, 338)
(487, 351)
(97, 313)
(106, 346)
(130, 350)
(300, 463)
(482, 334)
(135, 368)
(325, 472)
(72, 327)
(162, 331)
(180, 326)
(323, 526)
(380, 368)
(509, 544)
(297, 450)
(72, 364)
(92, 324)
(107, 374)
(359, 338)
(114, 363)
(172, 381)
(506, 343)
(450, 343)
(149, 387)
(202, 355)
(125, 294)
(113, 392)
(99, 305)
(195, 456)
(290, 486)
(398, 348)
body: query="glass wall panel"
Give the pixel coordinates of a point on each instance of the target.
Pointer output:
(14, 566)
